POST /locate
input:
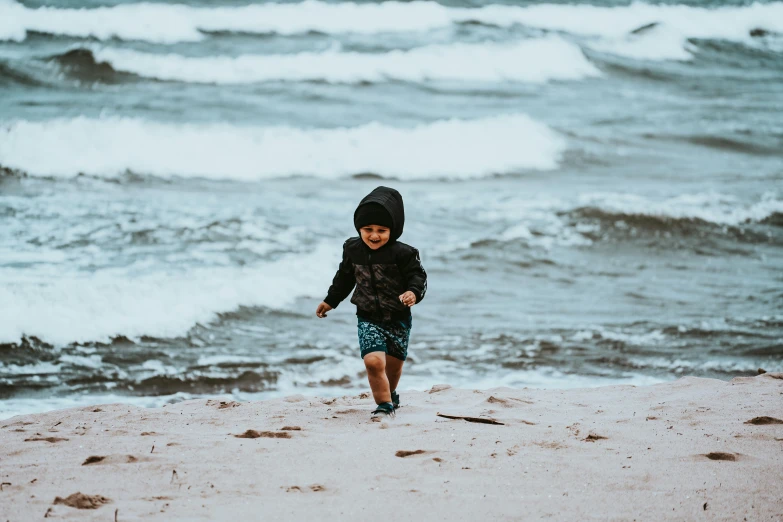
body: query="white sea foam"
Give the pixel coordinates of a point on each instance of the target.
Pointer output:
(28, 406)
(98, 306)
(443, 149)
(39, 368)
(170, 23)
(723, 364)
(214, 360)
(548, 378)
(714, 207)
(722, 209)
(547, 236)
(158, 368)
(94, 361)
(544, 222)
(654, 337)
(532, 61)
(666, 40)
(432, 372)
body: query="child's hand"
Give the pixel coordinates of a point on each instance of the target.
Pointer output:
(408, 298)
(322, 309)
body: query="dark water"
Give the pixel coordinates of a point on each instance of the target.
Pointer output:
(596, 200)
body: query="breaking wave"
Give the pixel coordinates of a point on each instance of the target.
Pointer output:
(442, 149)
(639, 30)
(110, 303)
(532, 61)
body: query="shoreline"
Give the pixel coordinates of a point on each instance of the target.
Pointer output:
(684, 449)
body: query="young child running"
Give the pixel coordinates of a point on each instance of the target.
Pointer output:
(389, 279)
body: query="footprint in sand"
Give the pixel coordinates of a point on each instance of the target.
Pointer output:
(439, 388)
(549, 444)
(506, 402)
(297, 489)
(225, 405)
(45, 439)
(253, 434)
(719, 455)
(20, 423)
(121, 459)
(759, 421)
(496, 400)
(82, 501)
(404, 453)
(222, 405)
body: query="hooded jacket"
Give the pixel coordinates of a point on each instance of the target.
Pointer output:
(379, 276)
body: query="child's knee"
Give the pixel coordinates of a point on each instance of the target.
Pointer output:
(375, 362)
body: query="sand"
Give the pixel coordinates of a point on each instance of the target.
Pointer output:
(692, 449)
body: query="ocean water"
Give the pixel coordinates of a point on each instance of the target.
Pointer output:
(595, 189)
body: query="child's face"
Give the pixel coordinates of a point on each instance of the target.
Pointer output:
(375, 236)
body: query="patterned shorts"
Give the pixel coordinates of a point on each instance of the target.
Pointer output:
(391, 338)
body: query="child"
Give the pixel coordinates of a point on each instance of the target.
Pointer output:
(389, 279)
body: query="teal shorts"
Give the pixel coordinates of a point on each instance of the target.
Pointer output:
(388, 337)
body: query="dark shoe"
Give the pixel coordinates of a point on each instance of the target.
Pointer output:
(383, 410)
(395, 399)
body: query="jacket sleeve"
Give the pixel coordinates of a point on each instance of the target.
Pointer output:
(343, 282)
(414, 274)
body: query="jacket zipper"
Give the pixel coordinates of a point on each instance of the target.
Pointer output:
(372, 282)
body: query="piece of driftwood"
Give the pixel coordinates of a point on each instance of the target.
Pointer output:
(481, 420)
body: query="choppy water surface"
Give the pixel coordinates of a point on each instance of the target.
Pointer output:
(595, 189)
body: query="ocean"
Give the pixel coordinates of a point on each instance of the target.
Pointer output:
(595, 189)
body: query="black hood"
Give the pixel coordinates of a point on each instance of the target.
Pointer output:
(391, 200)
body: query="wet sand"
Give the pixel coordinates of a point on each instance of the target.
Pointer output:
(692, 449)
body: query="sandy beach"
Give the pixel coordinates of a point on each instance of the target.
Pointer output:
(692, 449)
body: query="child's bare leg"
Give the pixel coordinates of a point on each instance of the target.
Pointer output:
(375, 362)
(393, 371)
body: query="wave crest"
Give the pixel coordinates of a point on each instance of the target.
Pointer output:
(167, 23)
(110, 303)
(698, 209)
(533, 61)
(443, 149)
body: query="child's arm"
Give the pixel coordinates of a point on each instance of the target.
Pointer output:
(417, 279)
(342, 285)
